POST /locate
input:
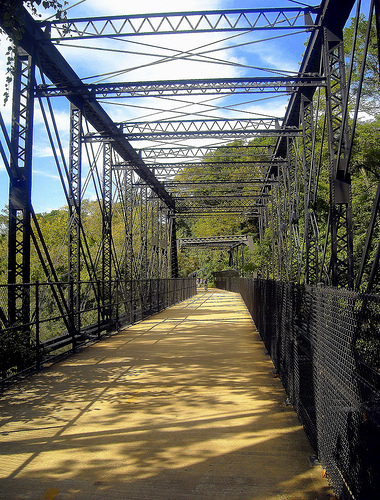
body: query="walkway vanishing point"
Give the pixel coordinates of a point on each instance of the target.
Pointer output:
(183, 405)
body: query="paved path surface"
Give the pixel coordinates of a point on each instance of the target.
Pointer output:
(181, 406)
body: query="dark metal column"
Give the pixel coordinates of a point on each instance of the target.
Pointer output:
(164, 242)
(75, 174)
(107, 231)
(310, 184)
(142, 263)
(295, 257)
(173, 248)
(280, 216)
(341, 263)
(128, 258)
(20, 189)
(153, 265)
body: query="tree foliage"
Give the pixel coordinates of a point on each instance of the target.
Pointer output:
(370, 97)
(12, 19)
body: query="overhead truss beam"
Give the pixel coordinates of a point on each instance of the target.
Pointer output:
(298, 18)
(254, 151)
(226, 86)
(218, 242)
(58, 71)
(233, 128)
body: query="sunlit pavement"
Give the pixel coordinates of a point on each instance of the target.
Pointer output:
(183, 405)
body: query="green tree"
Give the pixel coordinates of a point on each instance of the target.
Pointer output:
(370, 97)
(12, 20)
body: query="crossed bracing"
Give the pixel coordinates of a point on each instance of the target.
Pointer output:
(167, 153)
(121, 134)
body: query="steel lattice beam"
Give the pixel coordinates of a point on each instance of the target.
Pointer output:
(166, 171)
(107, 231)
(246, 181)
(225, 210)
(20, 189)
(232, 128)
(332, 15)
(341, 264)
(226, 86)
(74, 244)
(182, 22)
(58, 71)
(200, 152)
(218, 242)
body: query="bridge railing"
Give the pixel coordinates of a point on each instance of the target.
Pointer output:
(324, 343)
(54, 330)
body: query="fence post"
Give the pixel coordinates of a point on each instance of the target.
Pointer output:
(117, 304)
(38, 358)
(98, 301)
(72, 315)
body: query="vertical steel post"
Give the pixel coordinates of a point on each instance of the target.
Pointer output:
(37, 325)
(20, 189)
(164, 243)
(310, 180)
(75, 175)
(173, 247)
(143, 252)
(107, 231)
(341, 264)
(295, 258)
(128, 260)
(154, 239)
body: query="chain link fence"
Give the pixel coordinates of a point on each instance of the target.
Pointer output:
(324, 343)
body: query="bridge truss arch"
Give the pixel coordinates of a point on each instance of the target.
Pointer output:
(152, 150)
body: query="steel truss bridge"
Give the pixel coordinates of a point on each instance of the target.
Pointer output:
(153, 151)
(233, 244)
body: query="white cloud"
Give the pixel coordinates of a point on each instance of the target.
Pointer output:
(43, 173)
(123, 7)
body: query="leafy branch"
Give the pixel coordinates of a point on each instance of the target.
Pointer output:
(12, 19)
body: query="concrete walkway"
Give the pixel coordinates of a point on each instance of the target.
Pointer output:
(181, 406)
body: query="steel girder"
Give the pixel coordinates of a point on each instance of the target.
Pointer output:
(107, 232)
(225, 86)
(293, 175)
(169, 170)
(325, 43)
(58, 71)
(325, 56)
(310, 175)
(219, 204)
(231, 128)
(254, 151)
(243, 182)
(182, 22)
(74, 239)
(233, 260)
(215, 242)
(128, 197)
(341, 262)
(153, 264)
(376, 202)
(19, 241)
(165, 267)
(173, 247)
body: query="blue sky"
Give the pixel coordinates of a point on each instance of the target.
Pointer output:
(280, 54)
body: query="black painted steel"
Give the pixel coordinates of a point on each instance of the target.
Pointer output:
(315, 338)
(225, 86)
(48, 336)
(182, 22)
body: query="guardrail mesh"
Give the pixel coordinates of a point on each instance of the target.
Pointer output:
(55, 328)
(324, 343)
